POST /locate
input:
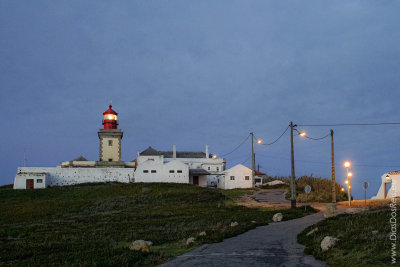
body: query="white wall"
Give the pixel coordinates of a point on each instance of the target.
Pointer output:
(20, 180)
(394, 190)
(162, 172)
(239, 172)
(110, 152)
(58, 176)
(202, 163)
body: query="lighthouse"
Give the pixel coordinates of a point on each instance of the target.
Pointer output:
(110, 137)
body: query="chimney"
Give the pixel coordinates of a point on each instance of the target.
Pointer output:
(174, 152)
(207, 154)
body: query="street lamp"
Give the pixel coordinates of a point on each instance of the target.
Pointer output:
(259, 141)
(348, 181)
(214, 156)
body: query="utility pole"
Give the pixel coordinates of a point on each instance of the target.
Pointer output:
(292, 179)
(333, 170)
(252, 159)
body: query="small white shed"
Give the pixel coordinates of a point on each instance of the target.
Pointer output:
(238, 176)
(31, 180)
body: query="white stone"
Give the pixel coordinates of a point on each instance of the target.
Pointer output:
(190, 240)
(234, 224)
(374, 232)
(277, 217)
(312, 231)
(141, 245)
(328, 242)
(203, 233)
(276, 182)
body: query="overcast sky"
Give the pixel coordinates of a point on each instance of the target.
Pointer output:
(192, 73)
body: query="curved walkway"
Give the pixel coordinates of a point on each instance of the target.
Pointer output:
(271, 245)
(274, 244)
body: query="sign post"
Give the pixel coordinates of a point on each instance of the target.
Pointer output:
(365, 186)
(307, 189)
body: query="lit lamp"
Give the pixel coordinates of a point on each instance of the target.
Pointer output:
(342, 189)
(214, 156)
(387, 178)
(348, 181)
(302, 133)
(259, 141)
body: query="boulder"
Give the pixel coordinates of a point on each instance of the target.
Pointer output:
(312, 231)
(203, 233)
(328, 242)
(234, 224)
(275, 182)
(253, 222)
(190, 241)
(374, 232)
(330, 211)
(277, 217)
(141, 245)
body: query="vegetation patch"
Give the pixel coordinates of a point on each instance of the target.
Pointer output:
(321, 189)
(364, 239)
(95, 224)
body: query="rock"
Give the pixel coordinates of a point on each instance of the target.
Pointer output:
(190, 241)
(203, 233)
(312, 231)
(277, 217)
(146, 190)
(330, 211)
(141, 245)
(328, 242)
(253, 222)
(374, 232)
(234, 224)
(276, 182)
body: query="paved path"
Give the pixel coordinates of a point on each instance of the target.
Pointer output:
(271, 245)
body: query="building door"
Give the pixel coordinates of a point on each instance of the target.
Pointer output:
(196, 180)
(29, 183)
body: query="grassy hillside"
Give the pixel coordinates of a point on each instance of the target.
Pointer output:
(357, 245)
(321, 189)
(94, 224)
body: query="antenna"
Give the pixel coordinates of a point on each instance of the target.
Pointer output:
(25, 159)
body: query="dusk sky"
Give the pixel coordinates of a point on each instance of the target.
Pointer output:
(192, 73)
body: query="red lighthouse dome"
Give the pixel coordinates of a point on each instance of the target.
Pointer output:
(110, 118)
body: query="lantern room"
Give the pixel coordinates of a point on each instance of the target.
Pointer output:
(110, 118)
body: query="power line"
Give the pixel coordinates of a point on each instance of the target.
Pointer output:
(318, 138)
(277, 138)
(236, 147)
(350, 124)
(246, 160)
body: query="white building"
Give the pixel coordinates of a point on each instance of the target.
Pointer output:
(390, 181)
(197, 168)
(238, 176)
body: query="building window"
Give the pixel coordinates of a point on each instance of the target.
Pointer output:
(232, 177)
(109, 159)
(110, 142)
(39, 181)
(179, 171)
(217, 169)
(247, 178)
(153, 171)
(209, 168)
(171, 171)
(145, 171)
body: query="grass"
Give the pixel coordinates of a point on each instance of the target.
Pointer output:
(357, 246)
(95, 224)
(321, 189)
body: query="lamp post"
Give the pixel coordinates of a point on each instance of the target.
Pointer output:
(333, 170)
(292, 178)
(252, 159)
(348, 181)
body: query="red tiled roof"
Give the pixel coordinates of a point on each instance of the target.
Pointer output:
(258, 173)
(395, 172)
